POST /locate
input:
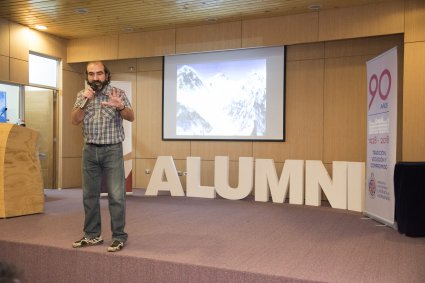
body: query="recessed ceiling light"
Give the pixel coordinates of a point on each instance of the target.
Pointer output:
(315, 6)
(211, 20)
(40, 27)
(128, 29)
(81, 11)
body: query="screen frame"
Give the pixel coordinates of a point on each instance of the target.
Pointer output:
(231, 138)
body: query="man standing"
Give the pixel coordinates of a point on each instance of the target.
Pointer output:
(102, 109)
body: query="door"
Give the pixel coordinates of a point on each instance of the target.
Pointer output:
(40, 115)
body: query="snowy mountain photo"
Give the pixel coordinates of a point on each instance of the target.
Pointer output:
(224, 103)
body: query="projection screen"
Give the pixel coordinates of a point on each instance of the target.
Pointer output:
(225, 95)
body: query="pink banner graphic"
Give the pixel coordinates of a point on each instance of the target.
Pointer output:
(381, 136)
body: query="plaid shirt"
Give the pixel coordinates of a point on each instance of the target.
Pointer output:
(102, 124)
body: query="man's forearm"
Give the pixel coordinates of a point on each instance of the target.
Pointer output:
(77, 116)
(127, 114)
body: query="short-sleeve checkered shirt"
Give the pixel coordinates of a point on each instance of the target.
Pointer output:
(102, 124)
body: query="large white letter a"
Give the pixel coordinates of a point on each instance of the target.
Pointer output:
(164, 167)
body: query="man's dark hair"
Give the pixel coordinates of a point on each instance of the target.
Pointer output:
(107, 73)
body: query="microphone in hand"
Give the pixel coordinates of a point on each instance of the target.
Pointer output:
(95, 88)
(82, 105)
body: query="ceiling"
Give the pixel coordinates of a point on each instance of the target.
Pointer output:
(79, 19)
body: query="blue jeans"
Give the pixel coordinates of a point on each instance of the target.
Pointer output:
(105, 163)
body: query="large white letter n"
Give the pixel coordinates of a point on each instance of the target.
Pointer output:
(335, 189)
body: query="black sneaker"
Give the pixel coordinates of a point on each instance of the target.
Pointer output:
(85, 242)
(115, 246)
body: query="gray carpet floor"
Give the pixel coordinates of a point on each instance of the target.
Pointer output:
(195, 238)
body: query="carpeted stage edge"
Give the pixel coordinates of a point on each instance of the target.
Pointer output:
(181, 239)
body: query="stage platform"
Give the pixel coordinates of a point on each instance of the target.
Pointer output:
(182, 239)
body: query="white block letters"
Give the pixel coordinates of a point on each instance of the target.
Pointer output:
(345, 190)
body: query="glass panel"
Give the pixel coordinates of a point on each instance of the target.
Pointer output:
(43, 71)
(39, 115)
(9, 105)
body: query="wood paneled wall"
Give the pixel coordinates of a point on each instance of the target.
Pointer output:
(71, 141)
(362, 21)
(325, 80)
(13, 53)
(326, 76)
(414, 83)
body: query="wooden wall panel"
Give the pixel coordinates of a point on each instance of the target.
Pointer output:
(345, 82)
(208, 37)
(18, 71)
(362, 46)
(400, 86)
(142, 179)
(146, 44)
(414, 21)
(290, 29)
(71, 177)
(414, 102)
(39, 114)
(89, 49)
(149, 142)
(4, 68)
(71, 136)
(207, 150)
(129, 76)
(4, 37)
(149, 64)
(149, 109)
(19, 41)
(345, 109)
(362, 21)
(304, 114)
(207, 172)
(305, 51)
(122, 67)
(74, 67)
(47, 44)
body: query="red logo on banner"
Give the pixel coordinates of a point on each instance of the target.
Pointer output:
(375, 86)
(372, 186)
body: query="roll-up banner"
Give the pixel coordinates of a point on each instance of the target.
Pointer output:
(381, 136)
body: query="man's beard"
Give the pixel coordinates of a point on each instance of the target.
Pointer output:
(98, 85)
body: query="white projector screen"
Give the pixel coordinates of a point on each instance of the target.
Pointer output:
(225, 95)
